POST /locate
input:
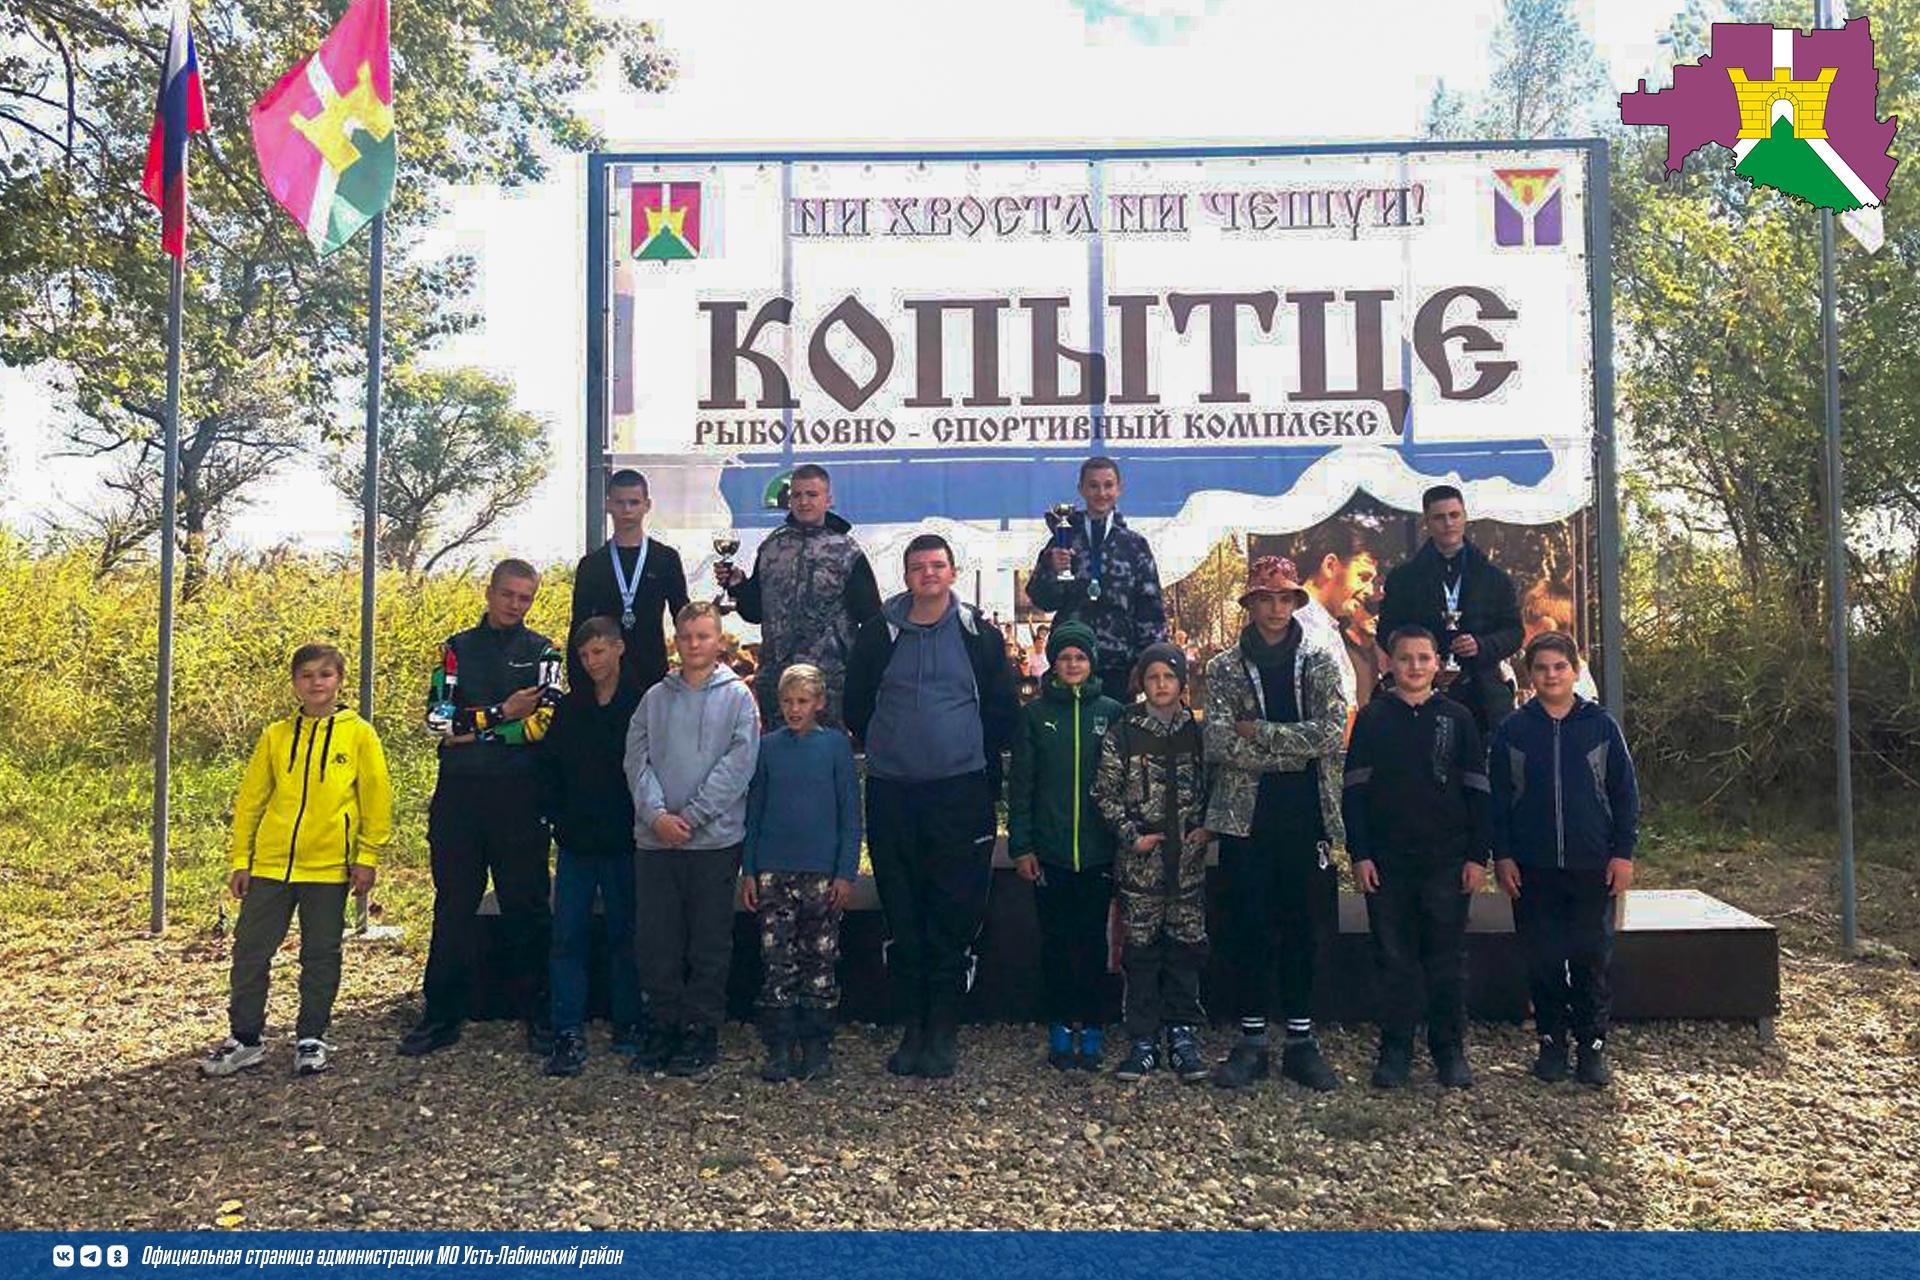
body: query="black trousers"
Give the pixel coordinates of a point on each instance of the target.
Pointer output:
(1163, 985)
(683, 933)
(1115, 679)
(1073, 908)
(1281, 908)
(1419, 920)
(1565, 922)
(481, 825)
(932, 850)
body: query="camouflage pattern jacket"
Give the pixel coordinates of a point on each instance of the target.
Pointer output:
(1129, 613)
(1319, 736)
(1153, 779)
(811, 589)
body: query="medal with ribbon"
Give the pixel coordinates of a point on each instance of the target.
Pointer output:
(627, 586)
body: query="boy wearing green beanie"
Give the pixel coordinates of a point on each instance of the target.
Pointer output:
(1059, 843)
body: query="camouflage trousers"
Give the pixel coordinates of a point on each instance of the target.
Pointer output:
(799, 940)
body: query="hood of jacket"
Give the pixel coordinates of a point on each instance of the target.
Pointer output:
(1087, 691)
(686, 705)
(834, 523)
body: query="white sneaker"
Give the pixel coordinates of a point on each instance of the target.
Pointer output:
(310, 1057)
(231, 1056)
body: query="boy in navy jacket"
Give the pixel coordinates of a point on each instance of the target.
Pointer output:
(1566, 812)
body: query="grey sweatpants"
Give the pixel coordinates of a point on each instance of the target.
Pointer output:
(265, 913)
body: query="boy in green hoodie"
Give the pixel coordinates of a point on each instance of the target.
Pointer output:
(1059, 842)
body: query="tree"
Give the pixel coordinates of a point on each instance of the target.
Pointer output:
(1547, 80)
(482, 93)
(455, 457)
(1722, 382)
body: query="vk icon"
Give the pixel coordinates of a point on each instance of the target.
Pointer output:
(116, 1255)
(89, 1255)
(63, 1255)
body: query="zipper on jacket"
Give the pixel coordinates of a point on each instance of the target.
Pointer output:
(1076, 777)
(306, 774)
(1559, 807)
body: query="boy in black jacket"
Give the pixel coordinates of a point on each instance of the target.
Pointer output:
(584, 795)
(1415, 805)
(633, 579)
(1566, 813)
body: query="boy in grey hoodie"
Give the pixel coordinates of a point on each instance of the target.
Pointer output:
(691, 749)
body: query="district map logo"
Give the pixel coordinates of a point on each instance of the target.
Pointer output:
(666, 221)
(1526, 207)
(1796, 108)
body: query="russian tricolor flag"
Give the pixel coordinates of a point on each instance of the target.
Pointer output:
(182, 110)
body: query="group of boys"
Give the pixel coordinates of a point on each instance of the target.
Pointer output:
(660, 790)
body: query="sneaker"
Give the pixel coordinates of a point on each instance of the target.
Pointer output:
(1300, 1062)
(569, 1055)
(1060, 1051)
(905, 1061)
(1093, 1047)
(699, 1050)
(540, 1037)
(1140, 1061)
(231, 1056)
(1450, 1066)
(1551, 1065)
(1593, 1068)
(629, 1037)
(310, 1057)
(1183, 1055)
(1244, 1063)
(1394, 1068)
(427, 1037)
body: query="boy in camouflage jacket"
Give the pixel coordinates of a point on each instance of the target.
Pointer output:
(1152, 790)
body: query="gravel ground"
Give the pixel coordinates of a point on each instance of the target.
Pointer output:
(105, 1123)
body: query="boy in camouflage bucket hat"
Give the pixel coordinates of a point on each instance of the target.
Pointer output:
(1275, 729)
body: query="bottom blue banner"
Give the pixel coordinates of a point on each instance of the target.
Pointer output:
(903, 1256)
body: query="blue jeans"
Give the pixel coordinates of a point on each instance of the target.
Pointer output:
(574, 884)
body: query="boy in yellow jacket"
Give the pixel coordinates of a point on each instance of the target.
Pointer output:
(314, 811)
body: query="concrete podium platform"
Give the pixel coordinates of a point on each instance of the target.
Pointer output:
(1678, 953)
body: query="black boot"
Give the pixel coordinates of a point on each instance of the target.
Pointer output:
(1551, 1064)
(699, 1050)
(1394, 1068)
(657, 1050)
(905, 1060)
(1300, 1062)
(1450, 1065)
(1244, 1063)
(815, 1032)
(1593, 1068)
(776, 1033)
(942, 1051)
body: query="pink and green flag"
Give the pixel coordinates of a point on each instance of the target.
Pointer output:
(325, 133)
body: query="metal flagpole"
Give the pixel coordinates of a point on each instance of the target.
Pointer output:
(370, 489)
(1837, 564)
(163, 694)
